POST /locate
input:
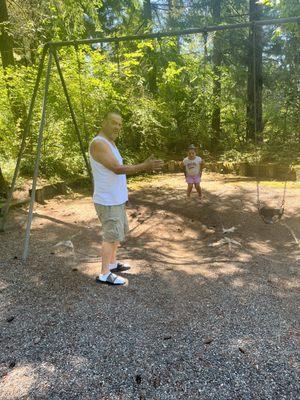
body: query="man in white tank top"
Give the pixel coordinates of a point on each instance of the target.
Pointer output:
(110, 193)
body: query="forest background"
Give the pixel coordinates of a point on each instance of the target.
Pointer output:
(171, 91)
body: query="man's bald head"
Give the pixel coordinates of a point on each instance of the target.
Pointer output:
(112, 124)
(109, 114)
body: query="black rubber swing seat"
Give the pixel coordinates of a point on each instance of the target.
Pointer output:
(270, 215)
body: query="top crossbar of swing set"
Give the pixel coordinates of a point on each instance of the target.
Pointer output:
(183, 32)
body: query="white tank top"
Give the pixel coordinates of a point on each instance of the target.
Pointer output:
(110, 189)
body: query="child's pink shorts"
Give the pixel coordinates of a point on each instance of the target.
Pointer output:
(193, 179)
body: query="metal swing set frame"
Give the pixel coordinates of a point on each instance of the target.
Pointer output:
(50, 51)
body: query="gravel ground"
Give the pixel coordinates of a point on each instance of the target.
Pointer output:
(195, 320)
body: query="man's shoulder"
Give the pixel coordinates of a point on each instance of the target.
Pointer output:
(100, 142)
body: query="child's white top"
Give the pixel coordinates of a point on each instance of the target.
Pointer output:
(192, 167)
(110, 189)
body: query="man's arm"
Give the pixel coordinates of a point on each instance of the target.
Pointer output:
(101, 152)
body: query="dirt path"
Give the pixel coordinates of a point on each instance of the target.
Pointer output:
(199, 318)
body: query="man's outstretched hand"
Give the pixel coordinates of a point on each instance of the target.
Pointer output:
(152, 164)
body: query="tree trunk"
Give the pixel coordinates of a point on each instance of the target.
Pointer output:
(173, 10)
(254, 93)
(151, 62)
(217, 60)
(7, 56)
(6, 43)
(3, 185)
(6, 51)
(147, 12)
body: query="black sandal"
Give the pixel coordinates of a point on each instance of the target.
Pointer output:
(121, 268)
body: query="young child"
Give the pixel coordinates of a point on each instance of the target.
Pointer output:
(193, 166)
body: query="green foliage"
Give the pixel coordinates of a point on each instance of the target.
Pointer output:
(164, 88)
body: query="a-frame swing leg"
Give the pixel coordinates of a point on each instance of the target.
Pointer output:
(72, 112)
(37, 160)
(23, 141)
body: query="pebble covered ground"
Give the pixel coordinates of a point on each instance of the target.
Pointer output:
(200, 317)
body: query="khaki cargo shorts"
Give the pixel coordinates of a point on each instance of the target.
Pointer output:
(114, 222)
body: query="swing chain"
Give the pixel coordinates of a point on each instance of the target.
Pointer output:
(284, 193)
(257, 194)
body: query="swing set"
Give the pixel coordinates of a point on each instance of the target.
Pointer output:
(50, 52)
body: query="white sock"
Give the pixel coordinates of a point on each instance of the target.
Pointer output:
(103, 277)
(118, 279)
(113, 265)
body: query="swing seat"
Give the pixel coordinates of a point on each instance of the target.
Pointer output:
(270, 215)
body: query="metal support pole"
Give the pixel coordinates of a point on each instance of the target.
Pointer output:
(23, 141)
(81, 98)
(37, 160)
(71, 111)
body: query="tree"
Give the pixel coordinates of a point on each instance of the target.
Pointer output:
(217, 60)
(7, 57)
(3, 185)
(254, 89)
(151, 62)
(6, 42)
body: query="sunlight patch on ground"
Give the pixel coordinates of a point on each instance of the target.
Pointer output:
(17, 383)
(213, 270)
(3, 285)
(261, 247)
(273, 184)
(166, 180)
